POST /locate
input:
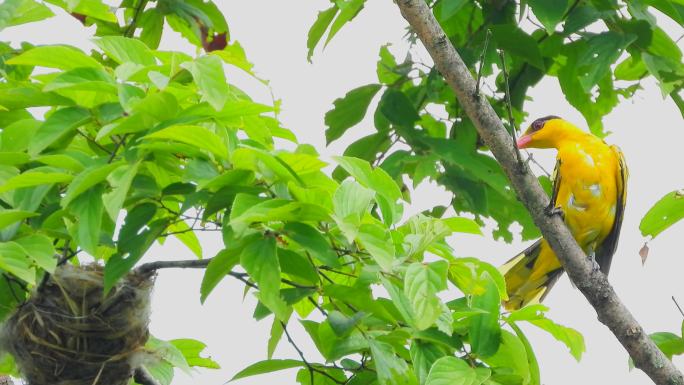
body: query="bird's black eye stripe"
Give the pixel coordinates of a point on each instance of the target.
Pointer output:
(539, 123)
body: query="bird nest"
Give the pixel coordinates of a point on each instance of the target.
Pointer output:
(68, 333)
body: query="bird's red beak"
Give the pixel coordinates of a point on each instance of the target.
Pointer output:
(523, 141)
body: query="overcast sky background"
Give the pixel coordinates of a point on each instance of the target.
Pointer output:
(273, 32)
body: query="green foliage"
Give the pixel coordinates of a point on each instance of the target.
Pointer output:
(132, 145)
(598, 51)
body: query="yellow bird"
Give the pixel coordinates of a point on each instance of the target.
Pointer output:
(589, 190)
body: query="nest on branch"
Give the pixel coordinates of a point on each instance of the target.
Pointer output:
(68, 333)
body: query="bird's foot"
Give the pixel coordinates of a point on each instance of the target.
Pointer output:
(591, 256)
(552, 210)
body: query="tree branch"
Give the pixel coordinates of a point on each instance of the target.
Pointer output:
(583, 272)
(189, 264)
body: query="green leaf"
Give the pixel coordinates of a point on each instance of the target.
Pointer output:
(120, 179)
(348, 10)
(313, 241)
(192, 350)
(126, 50)
(181, 230)
(341, 324)
(531, 358)
(348, 111)
(13, 259)
(400, 301)
(217, 269)
(514, 41)
(318, 28)
(17, 135)
(602, 52)
(260, 259)
(297, 266)
(96, 9)
(196, 136)
(569, 336)
(422, 282)
(390, 368)
(87, 179)
(88, 208)
(358, 298)
(34, 178)
(463, 225)
(669, 343)
(54, 56)
(549, 12)
(386, 67)
(674, 9)
(166, 351)
(211, 80)
(455, 371)
(59, 124)
(350, 202)
(276, 334)
(378, 241)
(133, 243)
(39, 248)
(511, 357)
(234, 54)
(666, 212)
(398, 108)
(16, 12)
(152, 24)
(8, 217)
(374, 178)
(424, 355)
(266, 366)
(485, 332)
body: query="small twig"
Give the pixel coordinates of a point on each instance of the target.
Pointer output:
(143, 377)
(188, 231)
(295, 284)
(482, 59)
(93, 141)
(119, 144)
(130, 29)
(187, 264)
(308, 365)
(382, 154)
(530, 158)
(678, 307)
(66, 256)
(511, 120)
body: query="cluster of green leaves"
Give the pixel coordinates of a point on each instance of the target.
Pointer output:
(105, 153)
(598, 50)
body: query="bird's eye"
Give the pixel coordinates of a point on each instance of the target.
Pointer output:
(537, 125)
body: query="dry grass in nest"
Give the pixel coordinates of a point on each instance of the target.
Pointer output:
(68, 334)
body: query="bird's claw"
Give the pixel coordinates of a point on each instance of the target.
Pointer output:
(552, 210)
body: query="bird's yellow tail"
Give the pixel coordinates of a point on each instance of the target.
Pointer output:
(530, 275)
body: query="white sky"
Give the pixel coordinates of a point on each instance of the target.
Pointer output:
(273, 32)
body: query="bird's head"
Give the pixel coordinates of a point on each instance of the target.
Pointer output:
(544, 133)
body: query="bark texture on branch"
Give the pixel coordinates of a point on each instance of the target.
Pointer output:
(583, 272)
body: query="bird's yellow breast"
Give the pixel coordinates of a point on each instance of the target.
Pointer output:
(588, 190)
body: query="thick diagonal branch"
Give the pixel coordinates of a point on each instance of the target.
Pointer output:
(583, 272)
